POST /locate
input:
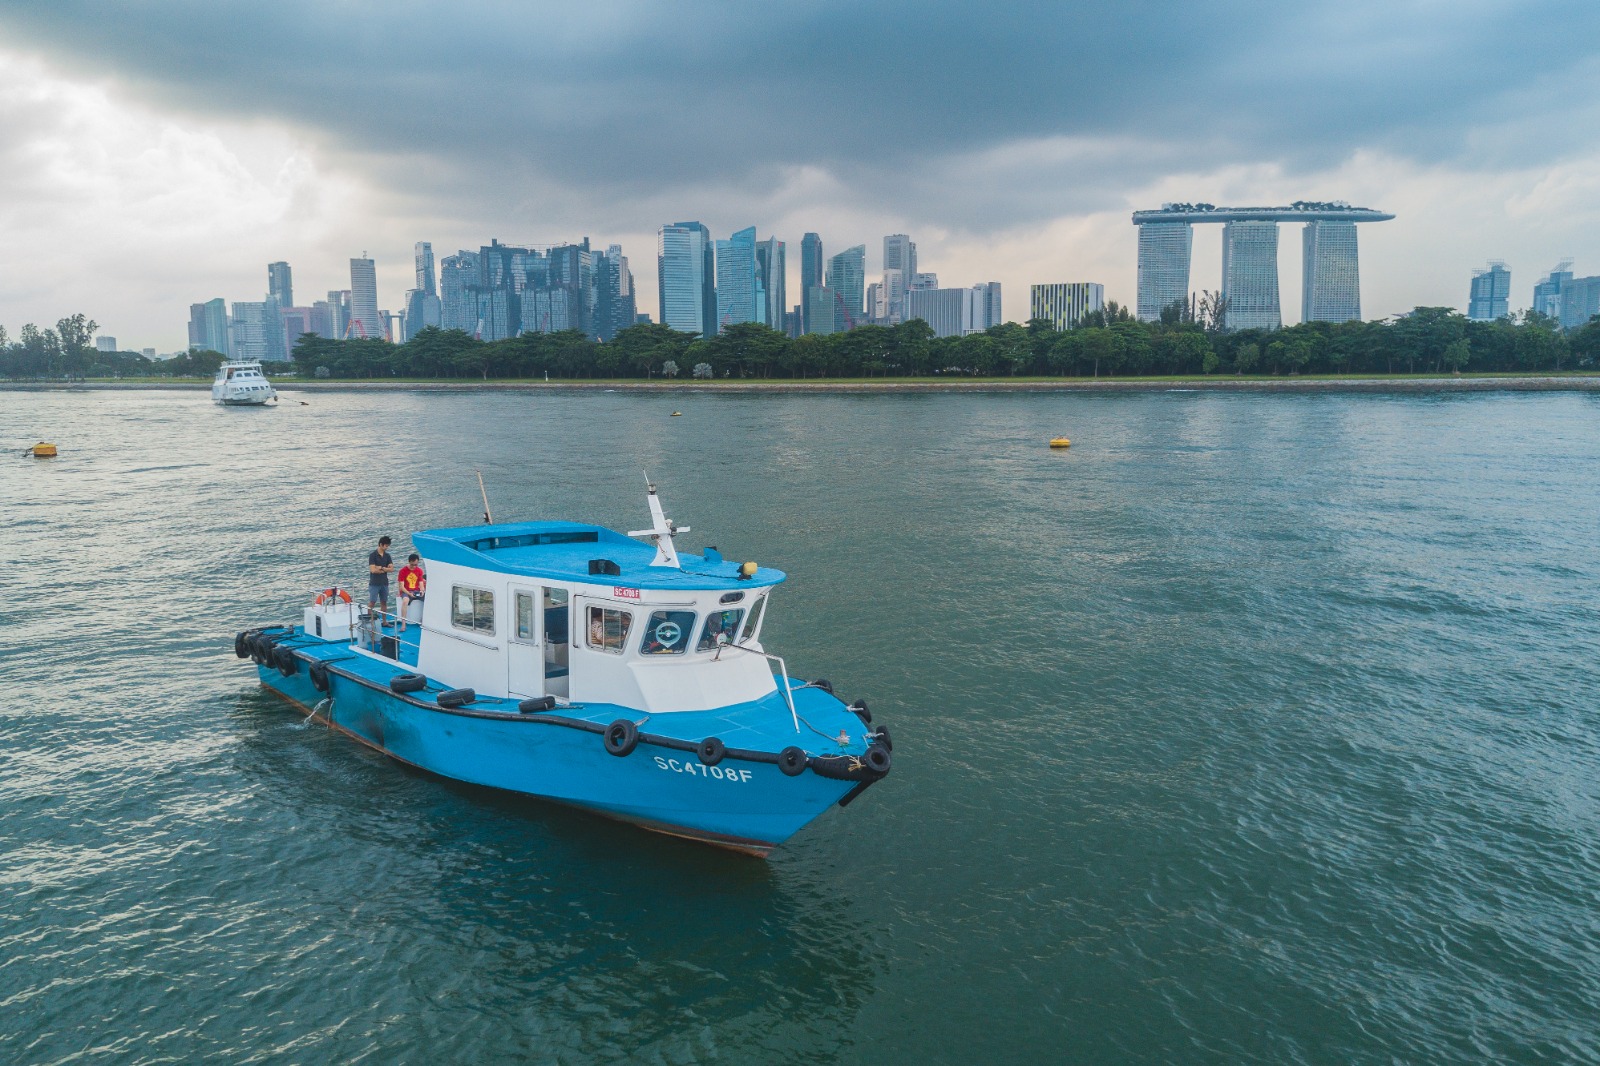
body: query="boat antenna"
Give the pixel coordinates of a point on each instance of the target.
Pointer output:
(661, 531)
(485, 494)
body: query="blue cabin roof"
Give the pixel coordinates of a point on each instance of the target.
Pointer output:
(562, 551)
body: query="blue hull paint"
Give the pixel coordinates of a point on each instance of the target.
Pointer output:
(748, 805)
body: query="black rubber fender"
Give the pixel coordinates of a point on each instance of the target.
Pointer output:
(859, 707)
(878, 759)
(261, 649)
(711, 750)
(407, 683)
(285, 661)
(456, 697)
(534, 706)
(824, 684)
(882, 736)
(319, 676)
(621, 737)
(792, 760)
(241, 643)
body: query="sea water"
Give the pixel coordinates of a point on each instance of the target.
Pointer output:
(1249, 729)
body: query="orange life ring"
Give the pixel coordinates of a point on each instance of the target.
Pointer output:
(329, 594)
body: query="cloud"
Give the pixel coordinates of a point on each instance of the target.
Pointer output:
(312, 130)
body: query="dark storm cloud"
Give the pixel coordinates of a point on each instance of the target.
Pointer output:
(605, 99)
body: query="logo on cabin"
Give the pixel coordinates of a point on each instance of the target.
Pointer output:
(620, 593)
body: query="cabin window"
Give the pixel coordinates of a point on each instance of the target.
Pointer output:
(525, 616)
(667, 633)
(757, 609)
(608, 628)
(720, 624)
(472, 609)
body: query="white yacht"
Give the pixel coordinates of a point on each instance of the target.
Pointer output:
(241, 382)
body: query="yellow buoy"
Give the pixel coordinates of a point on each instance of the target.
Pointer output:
(43, 450)
(1060, 442)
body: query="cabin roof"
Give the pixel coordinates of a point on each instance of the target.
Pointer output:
(561, 551)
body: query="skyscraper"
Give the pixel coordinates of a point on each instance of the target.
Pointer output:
(614, 295)
(772, 275)
(257, 331)
(280, 285)
(208, 326)
(899, 257)
(1580, 301)
(421, 311)
(1330, 287)
(946, 311)
(1547, 292)
(736, 280)
(687, 278)
(425, 278)
(847, 277)
(984, 310)
(1249, 275)
(1164, 249)
(1491, 293)
(458, 287)
(810, 276)
(364, 321)
(1064, 305)
(827, 311)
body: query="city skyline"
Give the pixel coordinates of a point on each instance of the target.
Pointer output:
(1016, 163)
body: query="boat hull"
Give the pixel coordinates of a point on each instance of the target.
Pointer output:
(745, 805)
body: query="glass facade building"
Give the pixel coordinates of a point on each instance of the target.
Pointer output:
(208, 326)
(1330, 285)
(458, 292)
(1547, 291)
(810, 276)
(364, 321)
(686, 278)
(1064, 304)
(772, 271)
(1491, 293)
(426, 282)
(847, 277)
(1250, 275)
(738, 295)
(280, 284)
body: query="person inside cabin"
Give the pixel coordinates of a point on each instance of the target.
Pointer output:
(379, 563)
(719, 625)
(413, 584)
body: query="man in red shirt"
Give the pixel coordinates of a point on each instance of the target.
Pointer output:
(413, 584)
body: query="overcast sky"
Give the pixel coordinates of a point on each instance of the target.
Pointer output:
(156, 154)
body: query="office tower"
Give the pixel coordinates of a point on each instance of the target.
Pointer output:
(899, 255)
(772, 269)
(1164, 249)
(922, 281)
(736, 279)
(877, 312)
(364, 321)
(458, 292)
(257, 331)
(296, 324)
(889, 306)
(559, 290)
(614, 294)
(810, 275)
(422, 310)
(827, 311)
(1491, 293)
(339, 313)
(208, 327)
(984, 307)
(947, 311)
(425, 279)
(1547, 291)
(1330, 287)
(687, 278)
(1063, 305)
(1249, 274)
(105, 344)
(280, 285)
(792, 321)
(847, 276)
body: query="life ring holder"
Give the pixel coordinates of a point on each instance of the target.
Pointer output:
(330, 595)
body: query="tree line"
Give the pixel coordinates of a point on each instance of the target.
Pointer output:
(1105, 343)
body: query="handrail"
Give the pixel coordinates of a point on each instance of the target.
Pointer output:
(783, 672)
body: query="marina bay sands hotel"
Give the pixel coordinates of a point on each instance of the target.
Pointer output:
(1331, 284)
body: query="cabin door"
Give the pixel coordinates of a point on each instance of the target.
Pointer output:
(525, 664)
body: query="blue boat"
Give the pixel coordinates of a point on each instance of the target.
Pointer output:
(577, 664)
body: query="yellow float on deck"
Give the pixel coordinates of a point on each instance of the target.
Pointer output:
(43, 450)
(1060, 442)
